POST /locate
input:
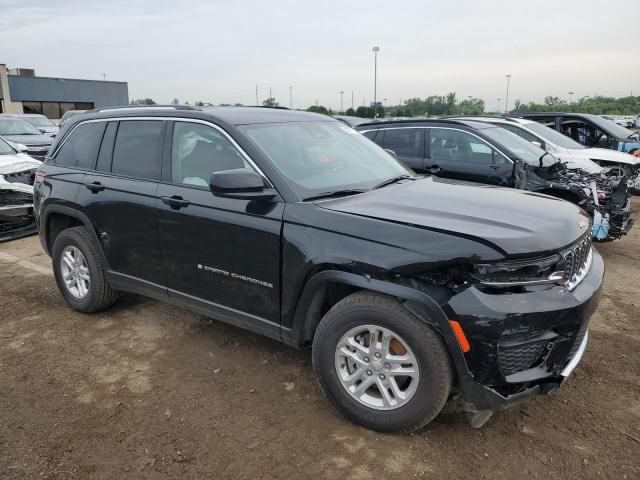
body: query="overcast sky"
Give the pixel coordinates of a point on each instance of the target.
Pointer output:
(218, 51)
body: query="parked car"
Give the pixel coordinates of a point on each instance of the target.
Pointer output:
(19, 132)
(565, 149)
(476, 151)
(41, 122)
(69, 114)
(590, 130)
(17, 173)
(409, 290)
(626, 121)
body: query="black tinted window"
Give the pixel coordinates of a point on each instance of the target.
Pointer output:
(371, 134)
(81, 148)
(138, 149)
(405, 142)
(456, 145)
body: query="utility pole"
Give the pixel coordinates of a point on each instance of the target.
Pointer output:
(570, 98)
(498, 109)
(341, 101)
(470, 97)
(352, 99)
(257, 101)
(506, 101)
(375, 51)
(291, 97)
(104, 77)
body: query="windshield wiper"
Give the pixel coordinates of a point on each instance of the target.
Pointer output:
(334, 193)
(394, 180)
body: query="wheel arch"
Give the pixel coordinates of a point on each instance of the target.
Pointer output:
(308, 312)
(57, 218)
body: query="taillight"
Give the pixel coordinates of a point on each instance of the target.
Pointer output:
(39, 177)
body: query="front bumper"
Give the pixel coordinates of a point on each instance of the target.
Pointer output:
(522, 344)
(16, 211)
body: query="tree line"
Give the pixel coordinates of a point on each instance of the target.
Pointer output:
(444, 105)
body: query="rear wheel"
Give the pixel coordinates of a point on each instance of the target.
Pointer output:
(79, 273)
(381, 366)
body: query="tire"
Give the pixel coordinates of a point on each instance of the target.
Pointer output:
(99, 294)
(423, 400)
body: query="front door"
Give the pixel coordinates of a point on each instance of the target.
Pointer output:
(221, 254)
(458, 154)
(407, 144)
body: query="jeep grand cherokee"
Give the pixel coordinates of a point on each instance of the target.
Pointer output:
(410, 291)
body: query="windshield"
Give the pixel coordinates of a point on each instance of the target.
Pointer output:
(319, 157)
(5, 148)
(553, 136)
(525, 151)
(610, 126)
(39, 121)
(16, 126)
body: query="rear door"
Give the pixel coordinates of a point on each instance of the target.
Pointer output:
(407, 144)
(119, 196)
(221, 254)
(461, 155)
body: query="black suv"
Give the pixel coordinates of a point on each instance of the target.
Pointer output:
(475, 151)
(410, 291)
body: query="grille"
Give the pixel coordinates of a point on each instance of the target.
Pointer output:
(15, 198)
(518, 358)
(577, 261)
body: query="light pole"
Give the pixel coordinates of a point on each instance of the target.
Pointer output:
(291, 97)
(506, 100)
(470, 97)
(498, 109)
(375, 51)
(570, 97)
(104, 77)
(341, 101)
(351, 99)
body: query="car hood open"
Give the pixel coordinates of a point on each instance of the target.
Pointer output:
(517, 222)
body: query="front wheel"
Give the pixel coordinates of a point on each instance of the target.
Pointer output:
(382, 367)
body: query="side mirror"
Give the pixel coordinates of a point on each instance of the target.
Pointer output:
(240, 183)
(391, 152)
(536, 143)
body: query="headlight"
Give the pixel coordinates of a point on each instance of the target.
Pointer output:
(514, 273)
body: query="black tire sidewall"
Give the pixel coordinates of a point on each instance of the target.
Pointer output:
(434, 382)
(76, 238)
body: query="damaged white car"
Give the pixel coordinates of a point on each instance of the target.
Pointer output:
(17, 173)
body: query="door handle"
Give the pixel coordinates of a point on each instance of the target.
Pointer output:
(434, 169)
(95, 187)
(495, 167)
(175, 201)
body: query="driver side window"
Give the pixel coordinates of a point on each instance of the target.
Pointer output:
(459, 146)
(198, 151)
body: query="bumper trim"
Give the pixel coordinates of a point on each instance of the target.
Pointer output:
(576, 358)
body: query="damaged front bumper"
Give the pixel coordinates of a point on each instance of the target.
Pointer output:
(16, 210)
(522, 344)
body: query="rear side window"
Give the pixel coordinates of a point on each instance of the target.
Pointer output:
(138, 149)
(81, 148)
(106, 149)
(405, 142)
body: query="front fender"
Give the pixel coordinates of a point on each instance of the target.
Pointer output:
(417, 302)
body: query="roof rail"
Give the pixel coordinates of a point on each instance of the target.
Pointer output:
(157, 107)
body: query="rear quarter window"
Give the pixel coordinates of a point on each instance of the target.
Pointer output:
(80, 149)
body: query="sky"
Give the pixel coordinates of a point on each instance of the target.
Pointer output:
(219, 51)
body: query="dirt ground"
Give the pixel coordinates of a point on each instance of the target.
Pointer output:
(147, 390)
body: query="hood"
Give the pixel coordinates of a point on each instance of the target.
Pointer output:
(17, 163)
(30, 140)
(517, 222)
(579, 162)
(605, 154)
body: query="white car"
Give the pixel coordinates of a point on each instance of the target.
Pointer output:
(568, 150)
(17, 172)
